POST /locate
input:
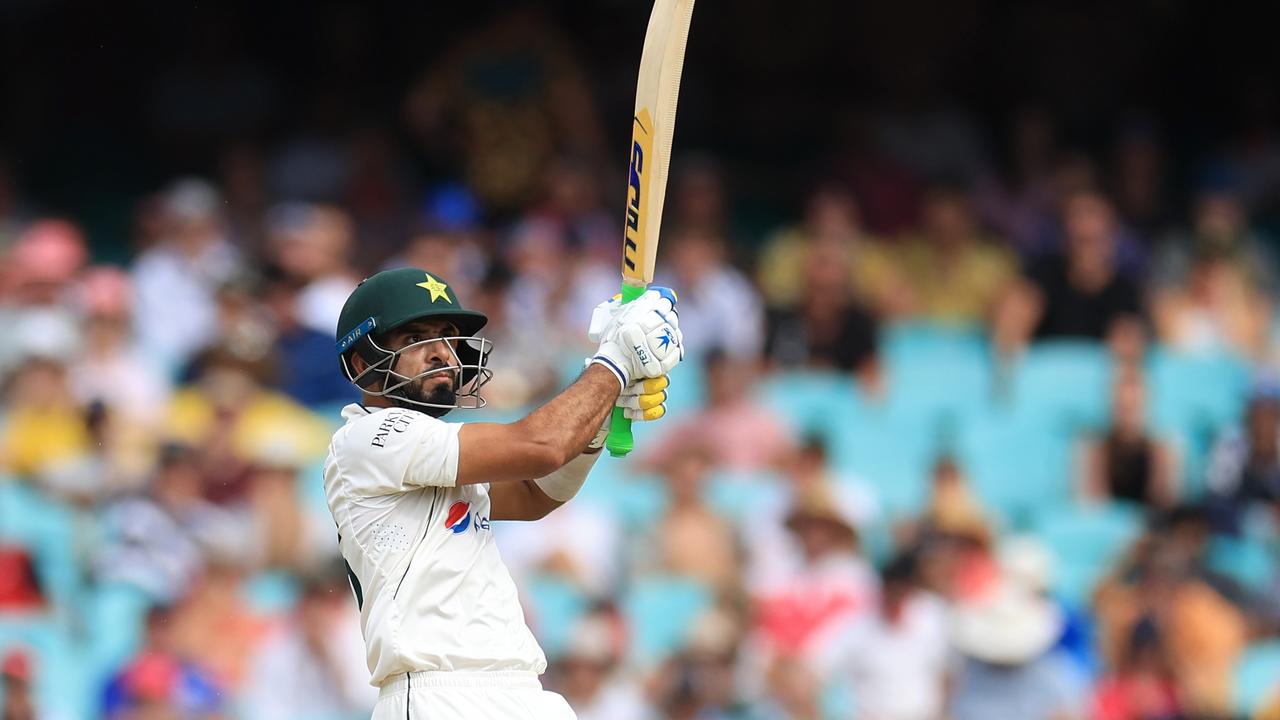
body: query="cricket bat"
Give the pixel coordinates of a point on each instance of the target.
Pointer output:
(657, 90)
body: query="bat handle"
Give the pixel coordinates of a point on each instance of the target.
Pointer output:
(619, 441)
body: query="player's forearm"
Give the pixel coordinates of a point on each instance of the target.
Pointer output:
(571, 419)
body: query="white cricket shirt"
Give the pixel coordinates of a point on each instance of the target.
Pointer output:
(432, 589)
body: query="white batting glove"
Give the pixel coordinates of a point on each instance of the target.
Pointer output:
(641, 340)
(604, 313)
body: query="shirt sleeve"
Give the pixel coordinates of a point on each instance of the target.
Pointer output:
(397, 450)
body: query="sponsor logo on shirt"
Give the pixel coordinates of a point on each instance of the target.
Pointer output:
(395, 420)
(459, 517)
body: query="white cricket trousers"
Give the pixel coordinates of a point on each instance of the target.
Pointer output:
(469, 696)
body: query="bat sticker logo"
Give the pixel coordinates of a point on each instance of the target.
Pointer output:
(633, 202)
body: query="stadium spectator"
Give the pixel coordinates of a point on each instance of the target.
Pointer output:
(895, 660)
(1128, 463)
(305, 368)
(1007, 670)
(1244, 466)
(160, 681)
(717, 302)
(828, 328)
(1139, 174)
(690, 539)
(110, 368)
(587, 674)
(800, 610)
(313, 666)
(1081, 293)
(831, 218)
(947, 273)
(46, 428)
(158, 541)
(215, 627)
(953, 536)
(1214, 287)
(313, 244)
(1165, 580)
(702, 680)
(16, 699)
(740, 433)
(1019, 202)
(41, 268)
(175, 280)
(1143, 685)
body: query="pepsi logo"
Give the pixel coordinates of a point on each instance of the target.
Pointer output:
(459, 517)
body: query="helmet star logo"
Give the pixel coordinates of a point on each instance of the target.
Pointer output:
(436, 288)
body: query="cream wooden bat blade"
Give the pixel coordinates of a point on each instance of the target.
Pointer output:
(652, 127)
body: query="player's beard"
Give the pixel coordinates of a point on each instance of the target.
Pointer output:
(445, 394)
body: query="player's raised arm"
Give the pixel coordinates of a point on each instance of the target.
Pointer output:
(408, 344)
(638, 341)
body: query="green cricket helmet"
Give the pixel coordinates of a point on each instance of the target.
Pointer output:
(393, 298)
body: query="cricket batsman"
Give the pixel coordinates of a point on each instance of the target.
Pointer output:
(414, 496)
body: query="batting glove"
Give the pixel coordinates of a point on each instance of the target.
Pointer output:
(642, 401)
(642, 340)
(605, 312)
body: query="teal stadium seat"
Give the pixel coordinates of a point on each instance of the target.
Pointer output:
(1193, 398)
(47, 529)
(1257, 677)
(1244, 560)
(1017, 468)
(555, 606)
(810, 402)
(1063, 385)
(1086, 542)
(58, 693)
(892, 455)
(661, 612)
(935, 375)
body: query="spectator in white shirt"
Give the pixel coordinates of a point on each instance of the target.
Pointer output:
(176, 279)
(314, 667)
(895, 660)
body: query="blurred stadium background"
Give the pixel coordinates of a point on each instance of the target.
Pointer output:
(997, 435)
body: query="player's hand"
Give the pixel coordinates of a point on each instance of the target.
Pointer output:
(642, 339)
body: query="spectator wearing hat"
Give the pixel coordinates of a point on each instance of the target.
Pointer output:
(1006, 671)
(801, 609)
(40, 272)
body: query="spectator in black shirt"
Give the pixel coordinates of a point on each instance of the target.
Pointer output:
(827, 328)
(1080, 293)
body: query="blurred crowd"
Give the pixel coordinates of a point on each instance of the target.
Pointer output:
(979, 433)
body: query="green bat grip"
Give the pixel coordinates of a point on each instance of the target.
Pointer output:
(619, 441)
